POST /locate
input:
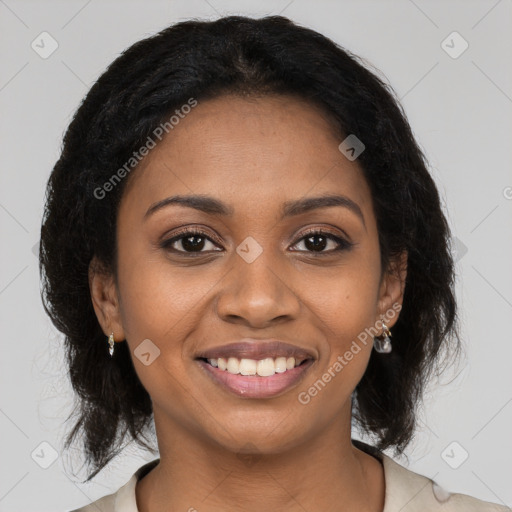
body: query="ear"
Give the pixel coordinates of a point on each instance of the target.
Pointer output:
(391, 292)
(105, 299)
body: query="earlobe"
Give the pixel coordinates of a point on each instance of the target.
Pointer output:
(105, 299)
(392, 290)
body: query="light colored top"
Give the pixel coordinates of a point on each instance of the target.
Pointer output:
(406, 491)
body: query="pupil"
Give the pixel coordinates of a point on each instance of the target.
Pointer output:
(316, 246)
(189, 245)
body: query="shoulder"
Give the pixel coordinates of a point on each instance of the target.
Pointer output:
(124, 499)
(105, 504)
(407, 491)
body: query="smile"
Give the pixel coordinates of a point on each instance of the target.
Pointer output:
(250, 378)
(262, 368)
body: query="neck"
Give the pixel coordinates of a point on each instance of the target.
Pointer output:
(324, 473)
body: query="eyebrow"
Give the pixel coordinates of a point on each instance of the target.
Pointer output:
(213, 206)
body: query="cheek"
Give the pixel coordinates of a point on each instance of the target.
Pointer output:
(343, 305)
(160, 303)
(346, 298)
(157, 297)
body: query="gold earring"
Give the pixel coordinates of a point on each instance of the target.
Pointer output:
(111, 344)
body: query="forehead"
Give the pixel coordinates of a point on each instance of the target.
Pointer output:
(249, 151)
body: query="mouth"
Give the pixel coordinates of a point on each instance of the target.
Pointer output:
(256, 369)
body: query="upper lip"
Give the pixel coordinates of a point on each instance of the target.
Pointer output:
(248, 348)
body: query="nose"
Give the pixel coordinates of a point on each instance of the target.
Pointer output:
(258, 294)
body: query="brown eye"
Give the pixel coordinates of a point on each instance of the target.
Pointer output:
(190, 241)
(318, 241)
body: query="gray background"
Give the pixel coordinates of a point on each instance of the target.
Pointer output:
(460, 110)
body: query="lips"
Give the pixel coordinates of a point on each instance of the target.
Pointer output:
(249, 348)
(268, 383)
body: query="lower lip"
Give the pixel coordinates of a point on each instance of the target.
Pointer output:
(254, 386)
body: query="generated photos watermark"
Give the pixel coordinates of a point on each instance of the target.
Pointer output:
(158, 133)
(304, 397)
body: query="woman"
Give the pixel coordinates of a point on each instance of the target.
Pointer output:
(239, 218)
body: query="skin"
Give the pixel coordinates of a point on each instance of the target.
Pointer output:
(253, 154)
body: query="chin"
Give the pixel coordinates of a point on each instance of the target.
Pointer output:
(268, 438)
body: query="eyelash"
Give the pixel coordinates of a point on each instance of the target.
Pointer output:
(342, 243)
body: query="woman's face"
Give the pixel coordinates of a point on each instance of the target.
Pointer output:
(254, 273)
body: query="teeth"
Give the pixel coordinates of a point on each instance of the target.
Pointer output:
(233, 365)
(266, 367)
(263, 367)
(248, 366)
(280, 364)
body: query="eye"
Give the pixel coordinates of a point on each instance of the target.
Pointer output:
(193, 240)
(316, 241)
(189, 241)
